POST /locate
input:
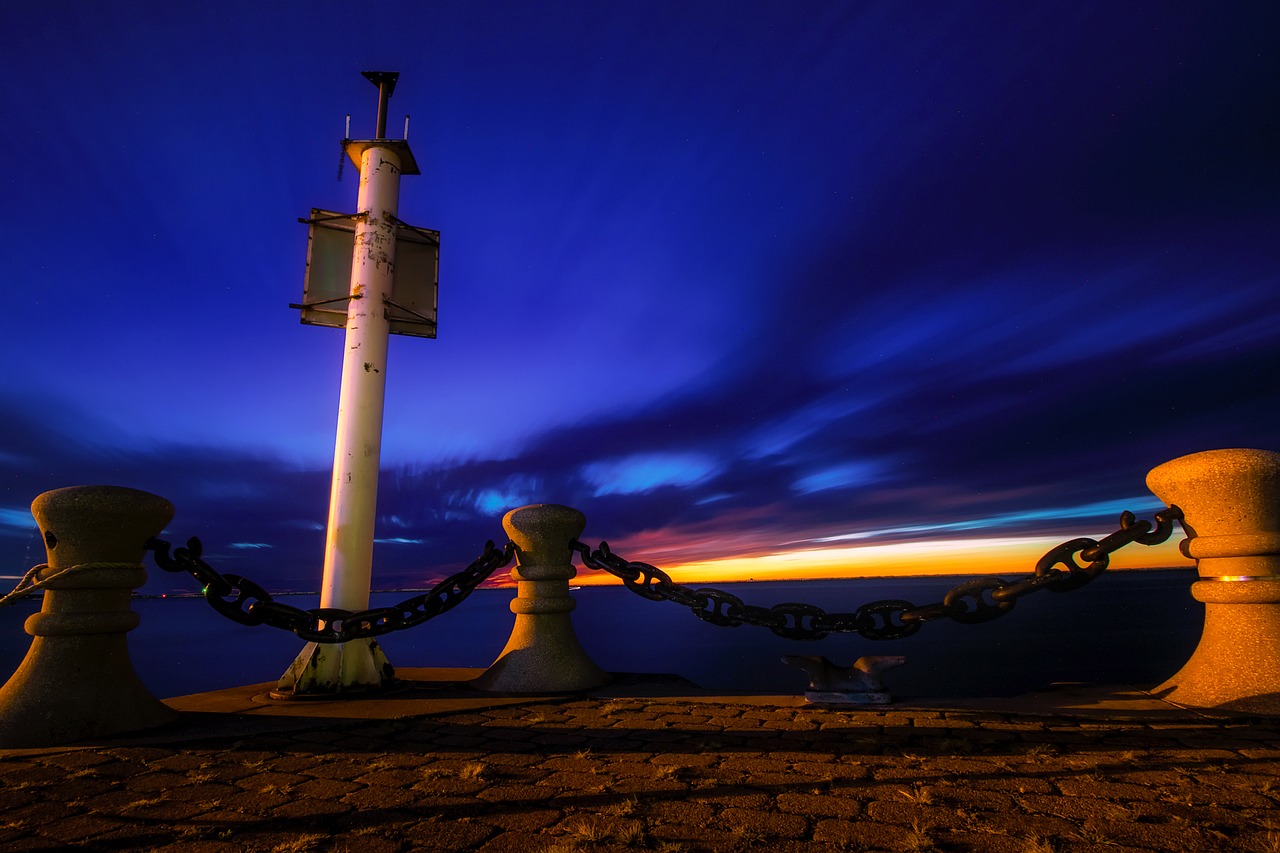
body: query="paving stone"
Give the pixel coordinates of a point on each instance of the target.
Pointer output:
(508, 842)
(439, 834)
(111, 802)
(223, 818)
(681, 811)
(753, 824)
(907, 773)
(732, 797)
(323, 788)
(639, 785)
(200, 846)
(256, 802)
(851, 835)
(990, 842)
(1263, 752)
(12, 798)
(204, 792)
(380, 798)
(226, 772)
(699, 836)
(1014, 781)
(28, 774)
(1081, 809)
(573, 782)
(815, 805)
(453, 786)
(158, 780)
(905, 813)
(832, 770)
(753, 765)
(79, 827)
(337, 768)
(311, 807)
(162, 809)
(513, 793)
(76, 760)
(1026, 825)
(521, 819)
(1123, 791)
(445, 804)
(366, 844)
(397, 778)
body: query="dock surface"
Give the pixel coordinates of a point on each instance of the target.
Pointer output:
(653, 763)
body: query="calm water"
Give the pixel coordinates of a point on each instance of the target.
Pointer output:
(1125, 628)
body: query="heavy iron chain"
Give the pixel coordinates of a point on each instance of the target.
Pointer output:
(979, 600)
(241, 600)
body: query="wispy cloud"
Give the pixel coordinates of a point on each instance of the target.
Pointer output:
(1003, 521)
(643, 472)
(20, 519)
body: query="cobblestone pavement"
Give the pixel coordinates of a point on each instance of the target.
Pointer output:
(664, 775)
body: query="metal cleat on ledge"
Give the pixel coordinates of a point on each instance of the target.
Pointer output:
(858, 684)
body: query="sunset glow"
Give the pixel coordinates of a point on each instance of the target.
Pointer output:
(1008, 556)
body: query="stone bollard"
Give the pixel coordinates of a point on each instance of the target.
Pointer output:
(1231, 503)
(76, 681)
(543, 654)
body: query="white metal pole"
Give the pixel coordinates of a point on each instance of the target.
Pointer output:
(327, 669)
(324, 669)
(353, 493)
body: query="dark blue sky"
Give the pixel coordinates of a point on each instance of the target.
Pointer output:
(732, 278)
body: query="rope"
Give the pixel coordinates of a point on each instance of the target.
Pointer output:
(28, 584)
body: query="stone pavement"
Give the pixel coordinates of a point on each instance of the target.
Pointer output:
(656, 766)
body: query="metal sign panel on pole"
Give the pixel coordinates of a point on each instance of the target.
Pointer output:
(415, 279)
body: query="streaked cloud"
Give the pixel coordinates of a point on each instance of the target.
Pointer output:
(21, 519)
(846, 475)
(993, 523)
(644, 472)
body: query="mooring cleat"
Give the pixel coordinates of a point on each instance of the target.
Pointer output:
(858, 684)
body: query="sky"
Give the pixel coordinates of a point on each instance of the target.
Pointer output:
(767, 289)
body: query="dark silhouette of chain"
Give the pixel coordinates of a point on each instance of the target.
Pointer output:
(979, 600)
(241, 600)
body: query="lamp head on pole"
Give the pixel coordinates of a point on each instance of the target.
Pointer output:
(386, 83)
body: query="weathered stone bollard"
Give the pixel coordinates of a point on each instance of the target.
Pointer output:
(543, 654)
(1231, 503)
(76, 681)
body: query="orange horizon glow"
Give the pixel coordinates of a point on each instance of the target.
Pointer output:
(1012, 556)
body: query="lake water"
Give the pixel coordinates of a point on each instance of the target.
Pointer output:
(1133, 627)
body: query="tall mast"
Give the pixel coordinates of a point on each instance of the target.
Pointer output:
(353, 492)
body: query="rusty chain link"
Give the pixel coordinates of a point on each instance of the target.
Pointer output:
(974, 601)
(241, 600)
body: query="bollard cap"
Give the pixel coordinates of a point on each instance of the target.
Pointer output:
(84, 524)
(543, 532)
(1230, 499)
